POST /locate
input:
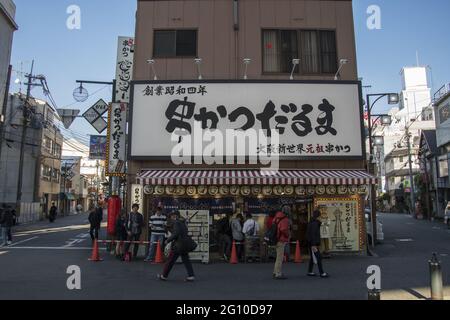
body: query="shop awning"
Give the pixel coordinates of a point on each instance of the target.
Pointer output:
(255, 177)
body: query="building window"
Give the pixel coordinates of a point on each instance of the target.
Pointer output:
(401, 160)
(315, 49)
(175, 43)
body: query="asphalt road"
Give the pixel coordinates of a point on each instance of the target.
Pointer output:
(35, 266)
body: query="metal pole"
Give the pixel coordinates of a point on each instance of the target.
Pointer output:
(371, 171)
(437, 292)
(25, 112)
(413, 200)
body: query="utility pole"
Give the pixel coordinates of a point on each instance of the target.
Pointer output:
(25, 115)
(411, 178)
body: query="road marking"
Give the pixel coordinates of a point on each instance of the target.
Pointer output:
(26, 240)
(404, 240)
(73, 242)
(3, 252)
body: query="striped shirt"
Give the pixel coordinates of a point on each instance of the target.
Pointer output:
(158, 224)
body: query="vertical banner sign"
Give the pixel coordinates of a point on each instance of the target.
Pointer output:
(198, 226)
(117, 126)
(124, 69)
(137, 196)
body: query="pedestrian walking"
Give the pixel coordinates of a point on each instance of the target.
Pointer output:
(182, 245)
(95, 219)
(158, 225)
(6, 222)
(121, 234)
(52, 213)
(236, 231)
(225, 234)
(134, 227)
(313, 237)
(252, 241)
(283, 236)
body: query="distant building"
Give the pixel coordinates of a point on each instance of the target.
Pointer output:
(415, 112)
(42, 157)
(91, 173)
(429, 164)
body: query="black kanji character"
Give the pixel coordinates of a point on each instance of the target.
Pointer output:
(181, 91)
(242, 111)
(148, 91)
(202, 90)
(300, 149)
(170, 90)
(325, 119)
(319, 149)
(291, 148)
(159, 90)
(302, 121)
(329, 148)
(282, 148)
(176, 119)
(192, 90)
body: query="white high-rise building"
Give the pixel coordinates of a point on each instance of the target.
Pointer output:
(415, 112)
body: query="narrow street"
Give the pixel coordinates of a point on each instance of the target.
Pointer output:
(34, 267)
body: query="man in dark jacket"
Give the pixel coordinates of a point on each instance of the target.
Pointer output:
(134, 226)
(313, 237)
(6, 222)
(180, 247)
(224, 235)
(53, 212)
(95, 219)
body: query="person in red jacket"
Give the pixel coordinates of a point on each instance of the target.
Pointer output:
(283, 236)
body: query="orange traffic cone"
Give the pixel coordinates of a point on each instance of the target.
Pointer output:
(298, 254)
(234, 258)
(159, 254)
(95, 254)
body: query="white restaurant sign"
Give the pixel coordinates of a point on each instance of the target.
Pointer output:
(116, 145)
(124, 68)
(313, 120)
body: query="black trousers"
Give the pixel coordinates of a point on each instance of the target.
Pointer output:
(225, 244)
(94, 232)
(134, 237)
(319, 261)
(173, 257)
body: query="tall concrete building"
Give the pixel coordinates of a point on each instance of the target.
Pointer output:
(42, 157)
(7, 28)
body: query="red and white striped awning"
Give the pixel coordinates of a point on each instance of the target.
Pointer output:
(254, 177)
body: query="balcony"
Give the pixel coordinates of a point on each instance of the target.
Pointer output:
(441, 93)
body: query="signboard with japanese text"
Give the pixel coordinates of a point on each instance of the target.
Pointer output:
(124, 68)
(97, 147)
(198, 226)
(116, 151)
(94, 115)
(343, 219)
(137, 196)
(312, 119)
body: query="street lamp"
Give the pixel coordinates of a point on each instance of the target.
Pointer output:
(152, 62)
(393, 98)
(295, 63)
(247, 61)
(342, 63)
(198, 62)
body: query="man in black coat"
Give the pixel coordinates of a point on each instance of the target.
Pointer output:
(95, 219)
(313, 237)
(6, 222)
(181, 243)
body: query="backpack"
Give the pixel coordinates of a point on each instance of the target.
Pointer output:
(271, 236)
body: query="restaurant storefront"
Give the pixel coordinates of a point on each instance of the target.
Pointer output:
(313, 158)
